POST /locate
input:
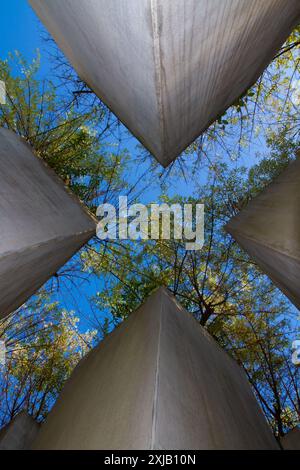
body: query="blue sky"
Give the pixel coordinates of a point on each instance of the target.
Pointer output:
(21, 30)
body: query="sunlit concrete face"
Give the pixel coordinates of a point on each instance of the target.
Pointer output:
(159, 381)
(42, 225)
(19, 433)
(168, 68)
(268, 230)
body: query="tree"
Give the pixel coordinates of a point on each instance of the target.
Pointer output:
(219, 285)
(43, 345)
(43, 341)
(64, 135)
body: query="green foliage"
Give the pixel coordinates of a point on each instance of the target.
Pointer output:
(60, 132)
(43, 344)
(219, 285)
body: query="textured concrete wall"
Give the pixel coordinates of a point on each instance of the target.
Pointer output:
(268, 229)
(19, 433)
(159, 381)
(168, 68)
(291, 441)
(42, 225)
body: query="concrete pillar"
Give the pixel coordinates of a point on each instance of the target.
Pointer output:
(169, 68)
(19, 433)
(291, 441)
(159, 381)
(268, 230)
(42, 225)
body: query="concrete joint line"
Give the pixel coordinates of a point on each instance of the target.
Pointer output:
(158, 70)
(156, 385)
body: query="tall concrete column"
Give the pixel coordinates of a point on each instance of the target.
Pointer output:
(159, 381)
(268, 229)
(169, 68)
(19, 433)
(42, 224)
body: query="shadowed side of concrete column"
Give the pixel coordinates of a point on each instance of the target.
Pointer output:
(204, 398)
(159, 381)
(42, 224)
(169, 68)
(108, 401)
(268, 229)
(19, 433)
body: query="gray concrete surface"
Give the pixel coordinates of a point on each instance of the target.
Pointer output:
(168, 68)
(268, 230)
(159, 381)
(19, 433)
(291, 441)
(42, 224)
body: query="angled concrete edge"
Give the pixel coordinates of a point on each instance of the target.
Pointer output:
(19, 433)
(268, 230)
(159, 381)
(42, 224)
(162, 68)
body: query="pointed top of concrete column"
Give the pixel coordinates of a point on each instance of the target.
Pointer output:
(268, 230)
(42, 223)
(169, 68)
(158, 381)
